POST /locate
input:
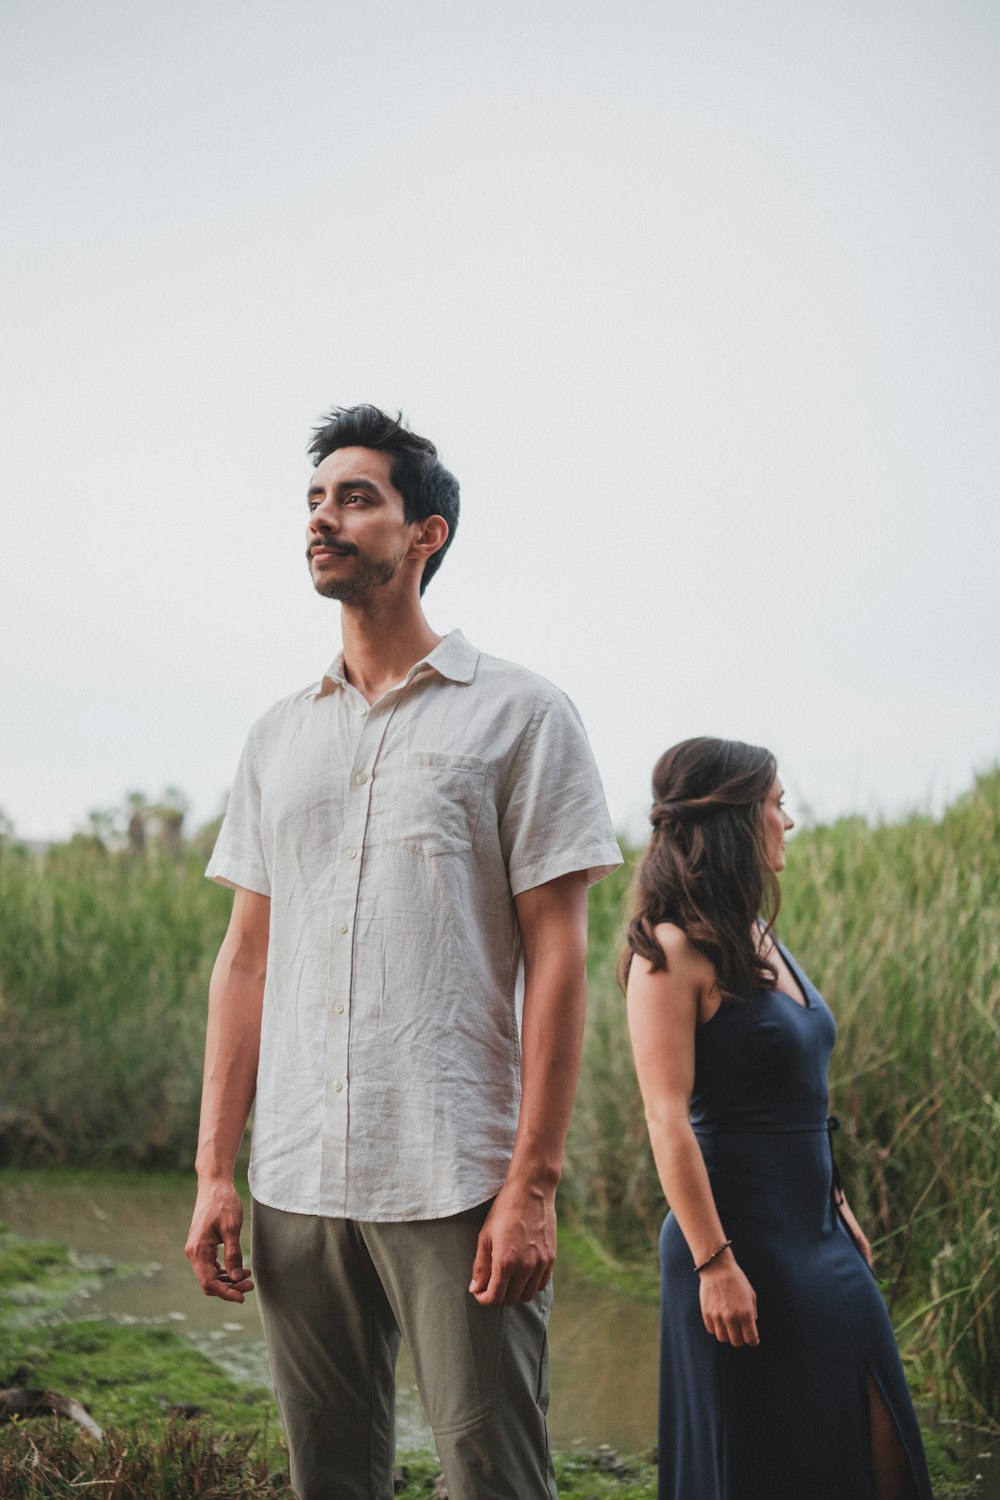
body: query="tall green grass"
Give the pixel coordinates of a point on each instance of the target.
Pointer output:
(104, 965)
(899, 926)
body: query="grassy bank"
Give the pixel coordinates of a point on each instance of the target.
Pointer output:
(104, 964)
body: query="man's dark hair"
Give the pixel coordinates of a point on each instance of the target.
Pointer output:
(423, 481)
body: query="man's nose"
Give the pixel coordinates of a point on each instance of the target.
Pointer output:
(324, 516)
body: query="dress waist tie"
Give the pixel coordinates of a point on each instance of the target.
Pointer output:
(830, 1124)
(836, 1184)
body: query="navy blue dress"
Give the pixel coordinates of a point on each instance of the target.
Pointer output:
(787, 1420)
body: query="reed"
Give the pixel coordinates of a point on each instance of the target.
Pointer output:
(104, 965)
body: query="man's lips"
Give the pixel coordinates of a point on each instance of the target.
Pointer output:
(331, 549)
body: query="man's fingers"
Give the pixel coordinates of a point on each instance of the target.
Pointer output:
(203, 1261)
(240, 1278)
(525, 1289)
(519, 1287)
(230, 1288)
(233, 1253)
(496, 1288)
(230, 1282)
(481, 1266)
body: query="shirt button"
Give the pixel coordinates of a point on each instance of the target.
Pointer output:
(344, 927)
(352, 853)
(338, 1009)
(361, 778)
(362, 710)
(339, 1086)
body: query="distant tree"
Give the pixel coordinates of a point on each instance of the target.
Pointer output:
(138, 813)
(170, 812)
(103, 827)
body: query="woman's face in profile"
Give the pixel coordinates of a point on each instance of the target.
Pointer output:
(776, 825)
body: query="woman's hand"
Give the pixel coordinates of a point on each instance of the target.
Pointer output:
(729, 1303)
(854, 1230)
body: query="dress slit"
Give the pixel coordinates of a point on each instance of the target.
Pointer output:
(876, 1393)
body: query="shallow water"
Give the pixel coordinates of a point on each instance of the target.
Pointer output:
(604, 1346)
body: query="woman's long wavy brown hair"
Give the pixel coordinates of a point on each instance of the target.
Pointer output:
(706, 868)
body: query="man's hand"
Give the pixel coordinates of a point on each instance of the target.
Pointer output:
(517, 1247)
(217, 1220)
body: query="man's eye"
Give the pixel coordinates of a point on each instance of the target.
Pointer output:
(349, 499)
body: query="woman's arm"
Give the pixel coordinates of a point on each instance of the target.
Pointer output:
(663, 1014)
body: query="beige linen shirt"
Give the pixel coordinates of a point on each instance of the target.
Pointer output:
(392, 839)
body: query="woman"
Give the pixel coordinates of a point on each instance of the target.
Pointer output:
(780, 1378)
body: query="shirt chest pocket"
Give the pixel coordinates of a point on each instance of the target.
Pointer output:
(430, 802)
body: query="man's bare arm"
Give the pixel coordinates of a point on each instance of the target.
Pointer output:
(517, 1244)
(232, 1046)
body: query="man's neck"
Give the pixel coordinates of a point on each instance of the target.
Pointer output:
(381, 645)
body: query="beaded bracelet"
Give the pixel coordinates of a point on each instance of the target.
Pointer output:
(707, 1262)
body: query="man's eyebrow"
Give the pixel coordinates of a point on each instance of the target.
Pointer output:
(344, 484)
(358, 484)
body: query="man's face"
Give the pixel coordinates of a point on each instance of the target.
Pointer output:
(357, 537)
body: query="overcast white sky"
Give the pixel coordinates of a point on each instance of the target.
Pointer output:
(698, 301)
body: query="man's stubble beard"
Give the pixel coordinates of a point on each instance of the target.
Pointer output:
(357, 589)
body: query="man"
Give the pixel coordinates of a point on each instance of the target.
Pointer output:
(408, 840)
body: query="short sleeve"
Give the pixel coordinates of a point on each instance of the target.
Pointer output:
(553, 815)
(238, 857)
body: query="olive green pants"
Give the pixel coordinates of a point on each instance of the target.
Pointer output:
(336, 1294)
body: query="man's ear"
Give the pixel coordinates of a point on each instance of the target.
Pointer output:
(430, 538)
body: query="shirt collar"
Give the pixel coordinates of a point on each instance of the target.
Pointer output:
(453, 657)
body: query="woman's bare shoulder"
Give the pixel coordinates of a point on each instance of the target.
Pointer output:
(683, 966)
(679, 951)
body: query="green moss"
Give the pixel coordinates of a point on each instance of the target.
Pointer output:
(123, 1375)
(23, 1262)
(36, 1278)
